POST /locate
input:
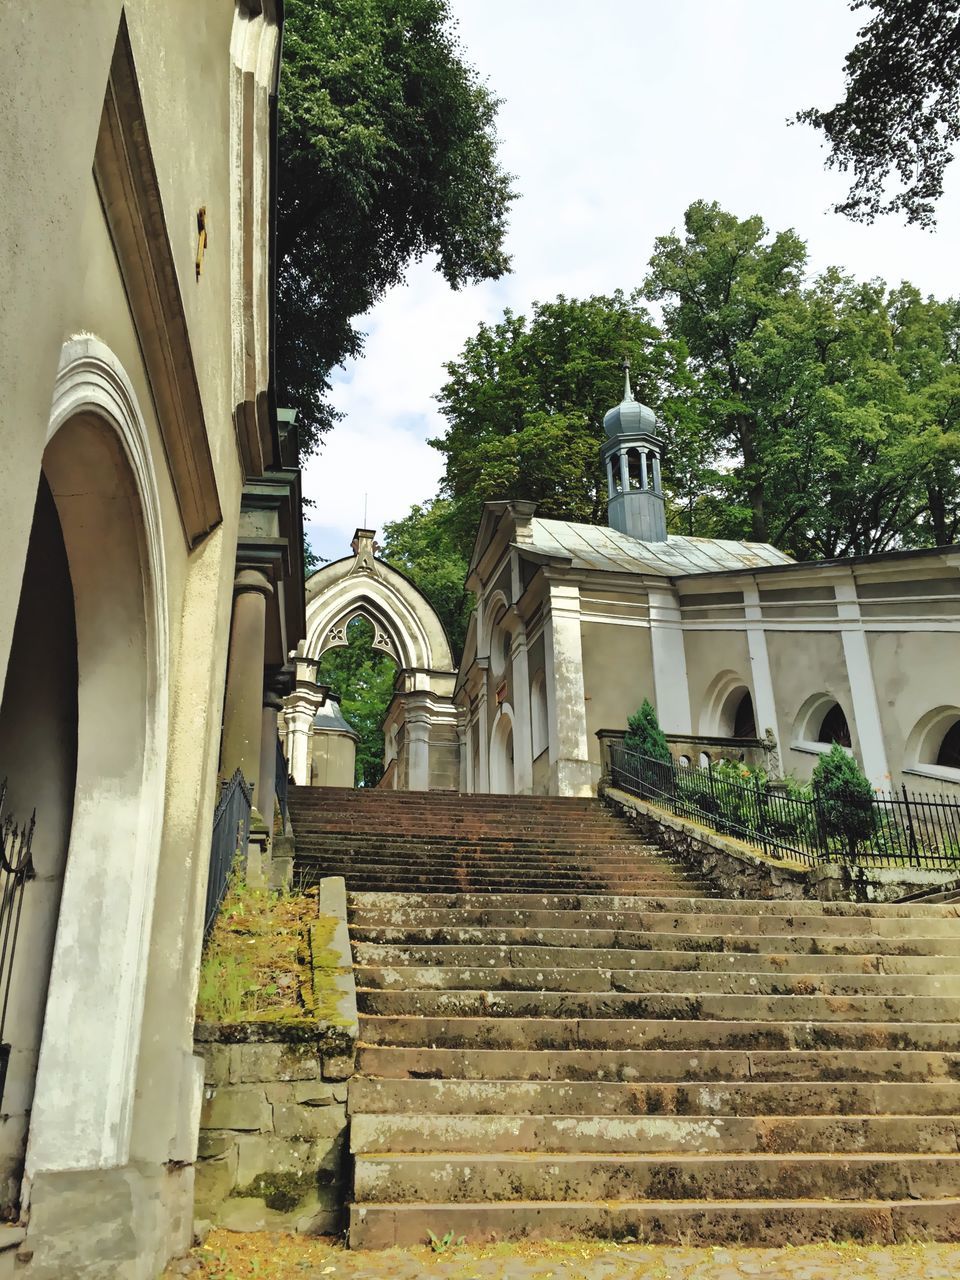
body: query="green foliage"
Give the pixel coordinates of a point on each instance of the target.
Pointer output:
(444, 1243)
(423, 546)
(845, 797)
(387, 153)
(362, 677)
(901, 110)
(524, 404)
(645, 736)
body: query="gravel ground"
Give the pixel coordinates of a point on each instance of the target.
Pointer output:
(262, 1256)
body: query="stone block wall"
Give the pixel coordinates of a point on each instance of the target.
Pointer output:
(273, 1130)
(739, 871)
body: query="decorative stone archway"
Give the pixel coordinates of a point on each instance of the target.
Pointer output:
(420, 726)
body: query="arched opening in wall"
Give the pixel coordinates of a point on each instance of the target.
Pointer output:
(821, 722)
(108, 566)
(834, 727)
(361, 673)
(539, 721)
(744, 719)
(501, 754)
(933, 747)
(38, 757)
(948, 754)
(635, 474)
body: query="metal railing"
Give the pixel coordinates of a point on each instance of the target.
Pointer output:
(231, 831)
(903, 829)
(282, 778)
(16, 868)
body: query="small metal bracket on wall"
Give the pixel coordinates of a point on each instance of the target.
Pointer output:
(201, 238)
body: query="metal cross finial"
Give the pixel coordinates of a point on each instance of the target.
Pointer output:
(627, 391)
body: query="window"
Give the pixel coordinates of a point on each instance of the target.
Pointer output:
(834, 727)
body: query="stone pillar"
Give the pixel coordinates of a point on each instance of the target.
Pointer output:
(624, 472)
(300, 715)
(863, 690)
(243, 699)
(522, 728)
(764, 701)
(417, 721)
(669, 661)
(566, 705)
(267, 781)
(482, 781)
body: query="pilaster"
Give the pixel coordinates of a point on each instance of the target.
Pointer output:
(566, 703)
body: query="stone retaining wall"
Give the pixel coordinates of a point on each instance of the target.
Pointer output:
(739, 871)
(273, 1129)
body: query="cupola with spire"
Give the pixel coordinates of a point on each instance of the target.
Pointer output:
(631, 457)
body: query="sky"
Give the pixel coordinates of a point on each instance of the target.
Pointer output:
(617, 114)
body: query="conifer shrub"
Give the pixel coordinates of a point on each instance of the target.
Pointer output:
(644, 735)
(844, 798)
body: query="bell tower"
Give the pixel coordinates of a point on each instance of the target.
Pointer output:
(631, 457)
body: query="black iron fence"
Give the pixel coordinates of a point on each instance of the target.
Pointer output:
(282, 777)
(16, 868)
(782, 819)
(231, 831)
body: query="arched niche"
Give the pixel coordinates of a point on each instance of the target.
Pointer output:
(933, 745)
(722, 701)
(821, 722)
(501, 752)
(101, 478)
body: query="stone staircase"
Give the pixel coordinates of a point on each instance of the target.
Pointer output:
(416, 841)
(637, 1063)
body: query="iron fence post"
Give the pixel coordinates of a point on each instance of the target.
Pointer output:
(911, 833)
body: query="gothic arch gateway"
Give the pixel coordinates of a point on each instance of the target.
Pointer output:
(420, 726)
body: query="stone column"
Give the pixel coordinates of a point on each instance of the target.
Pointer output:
(522, 728)
(267, 781)
(482, 781)
(863, 690)
(243, 699)
(669, 660)
(764, 700)
(417, 721)
(566, 703)
(300, 715)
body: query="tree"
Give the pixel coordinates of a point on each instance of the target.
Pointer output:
(901, 110)
(644, 735)
(422, 546)
(844, 797)
(362, 677)
(524, 404)
(387, 154)
(719, 286)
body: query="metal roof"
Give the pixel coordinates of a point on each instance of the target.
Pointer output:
(590, 546)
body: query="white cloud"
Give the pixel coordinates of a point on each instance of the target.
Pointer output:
(617, 114)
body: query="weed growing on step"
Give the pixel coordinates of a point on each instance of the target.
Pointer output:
(256, 965)
(444, 1243)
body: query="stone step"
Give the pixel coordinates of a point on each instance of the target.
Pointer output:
(863, 945)
(497, 1176)
(772, 1223)
(379, 977)
(310, 873)
(620, 958)
(628, 1010)
(615, 1032)
(678, 922)
(373, 1134)
(661, 1066)
(709, 906)
(744, 1098)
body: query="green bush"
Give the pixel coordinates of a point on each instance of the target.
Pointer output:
(845, 798)
(645, 736)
